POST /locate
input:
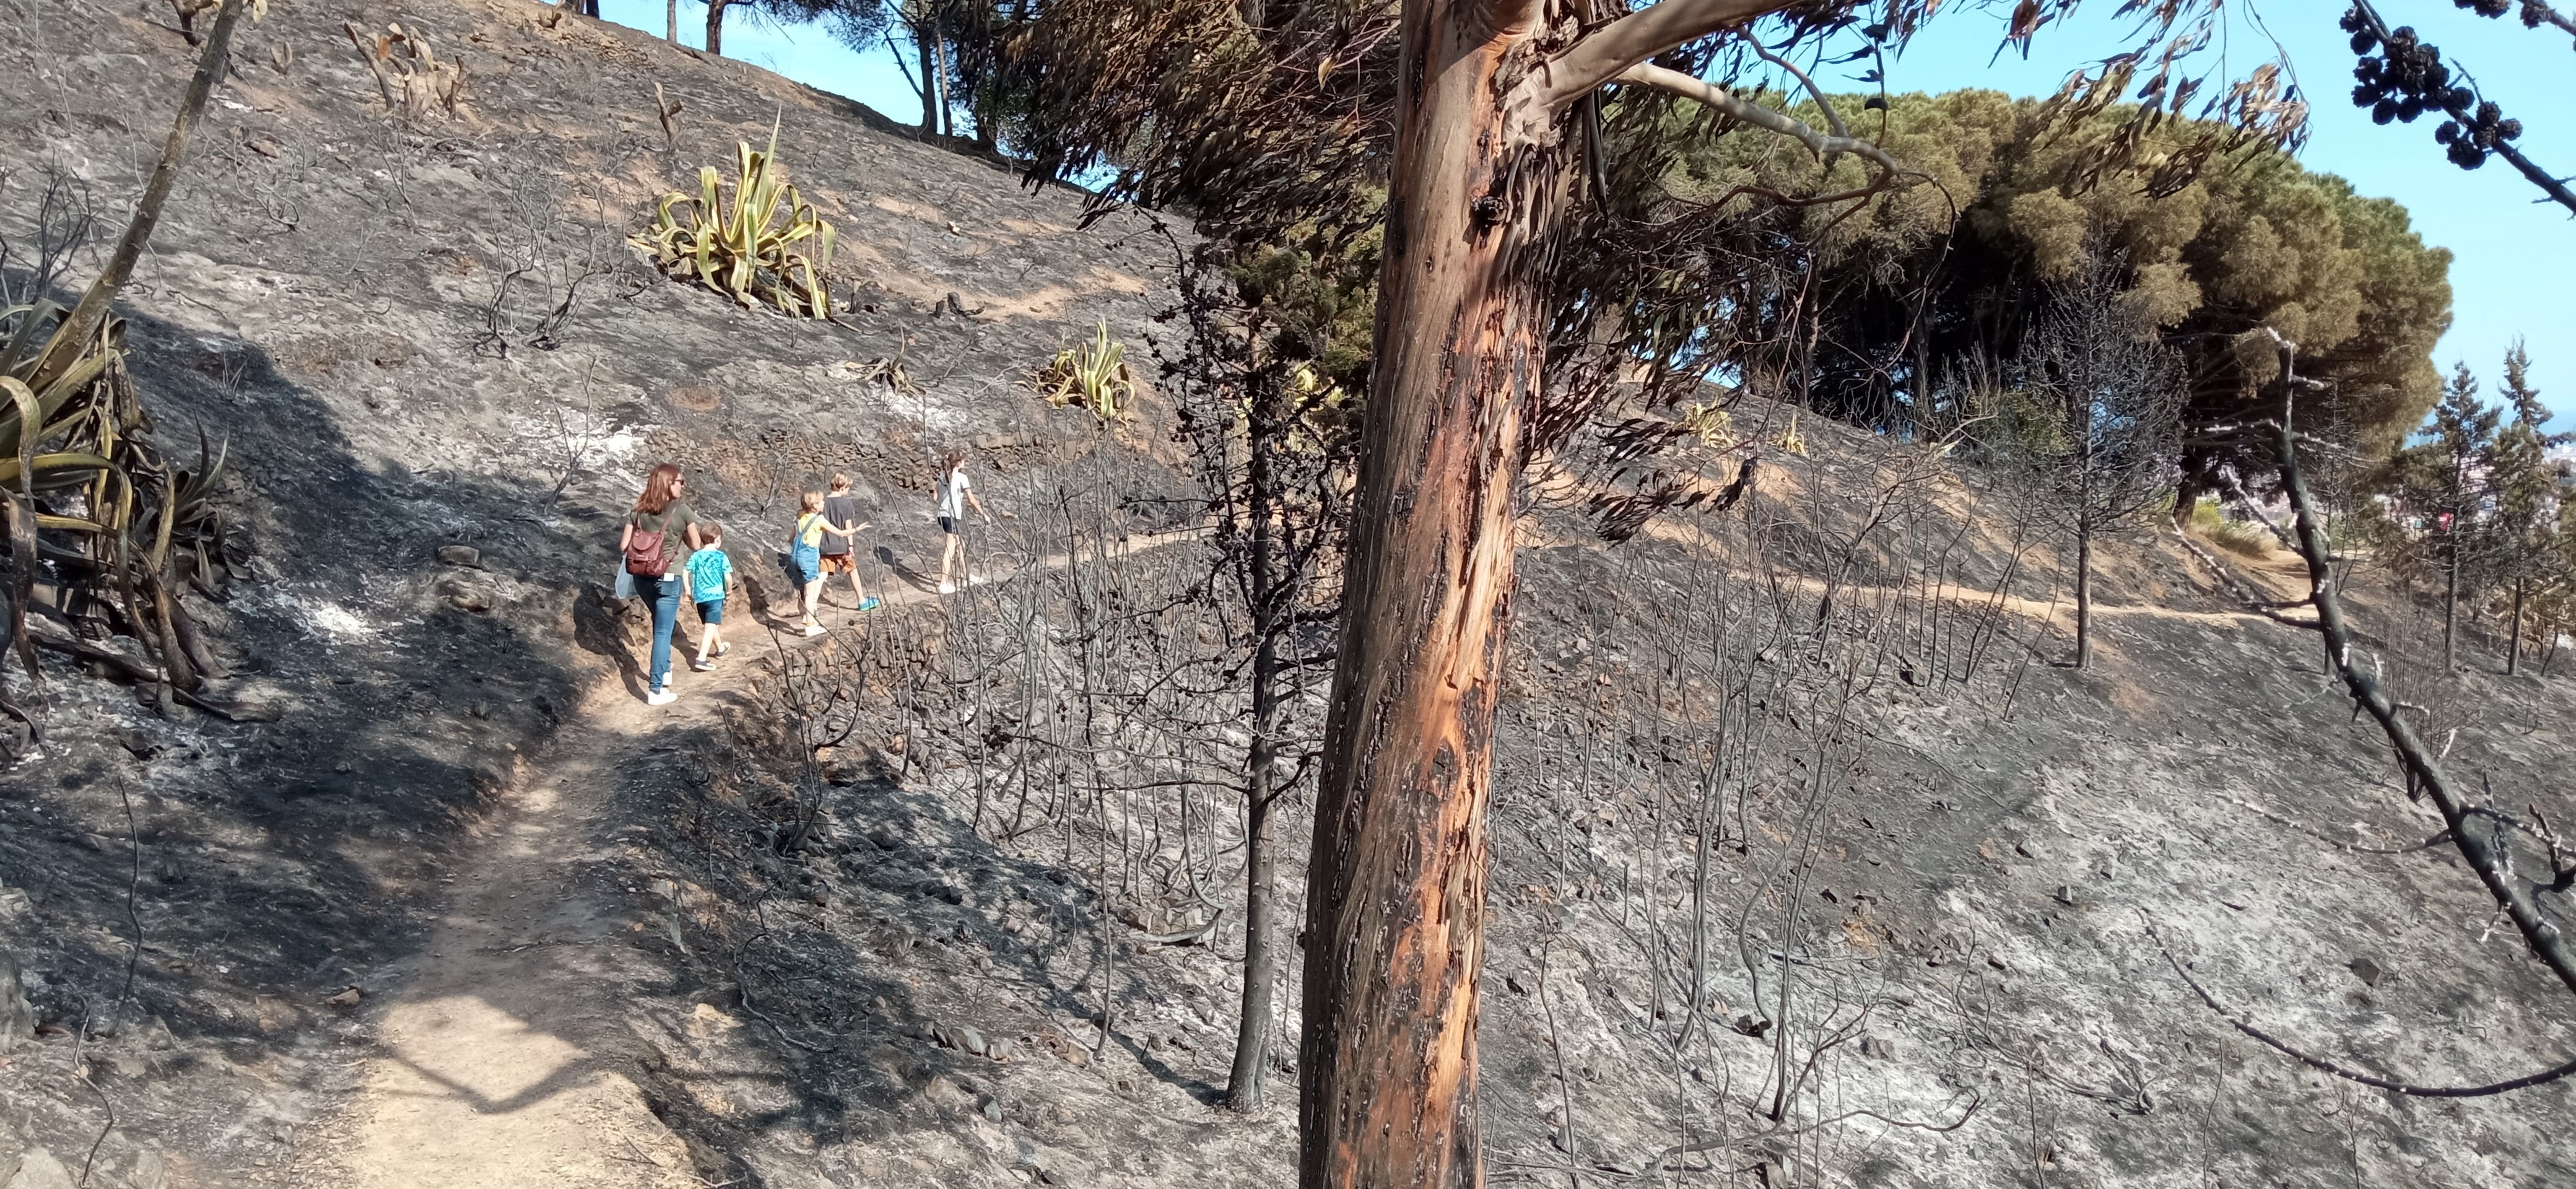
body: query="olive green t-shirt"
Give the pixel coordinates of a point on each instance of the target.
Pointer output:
(675, 520)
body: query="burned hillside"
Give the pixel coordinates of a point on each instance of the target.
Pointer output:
(1813, 863)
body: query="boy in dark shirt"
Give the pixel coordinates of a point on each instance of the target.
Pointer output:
(841, 553)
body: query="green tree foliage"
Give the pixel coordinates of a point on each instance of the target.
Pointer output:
(2443, 487)
(1921, 280)
(2532, 556)
(2476, 509)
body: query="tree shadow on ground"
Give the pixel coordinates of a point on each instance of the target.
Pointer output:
(271, 864)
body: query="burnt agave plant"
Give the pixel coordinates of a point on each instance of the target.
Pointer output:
(105, 532)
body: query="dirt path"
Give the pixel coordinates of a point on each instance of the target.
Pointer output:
(501, 1054)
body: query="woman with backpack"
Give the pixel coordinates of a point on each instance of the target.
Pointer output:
(651, 557)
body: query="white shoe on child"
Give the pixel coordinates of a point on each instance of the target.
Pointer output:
(661, 697)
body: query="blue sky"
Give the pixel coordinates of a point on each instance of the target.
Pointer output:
(2514, 266)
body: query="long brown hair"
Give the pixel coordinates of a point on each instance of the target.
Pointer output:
(658, 495)
(955, 456)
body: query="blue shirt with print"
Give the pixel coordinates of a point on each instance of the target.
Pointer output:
(708, 570)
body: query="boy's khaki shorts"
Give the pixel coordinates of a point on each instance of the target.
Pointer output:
(839, 563)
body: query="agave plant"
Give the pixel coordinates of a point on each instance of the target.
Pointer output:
(116, 529)
(1093, 375)
(765, 245)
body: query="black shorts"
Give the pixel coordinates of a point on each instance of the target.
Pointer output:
(948, 525)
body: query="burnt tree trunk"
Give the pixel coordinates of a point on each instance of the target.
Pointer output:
(72, 335)
(2513, 641)
(1243, 1090)
(715, 26)
(947, 119)
(1269, 599)
(2083, 595)
(2451, 603)
(1396, 889)
(671, 21)
(925, 43)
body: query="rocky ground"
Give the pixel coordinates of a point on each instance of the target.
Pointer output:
(468, 913)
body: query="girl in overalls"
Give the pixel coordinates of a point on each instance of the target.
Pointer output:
(805, 556)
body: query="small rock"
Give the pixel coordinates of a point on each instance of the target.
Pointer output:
(2367, 971)
(1752, 1027)
(150, 1171)
(460, 555)
(2065, 895)
(17, 1016)
(946, 1092)
(346, 998)
(1076, 1055)
(39, 1170)
(468, 598)
(138, 741)
(1884, 1050)
(1514, 982)
(992, 1109)
(999, 1048)
(971, 1041)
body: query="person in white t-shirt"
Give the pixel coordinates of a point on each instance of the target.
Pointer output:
(955, 496)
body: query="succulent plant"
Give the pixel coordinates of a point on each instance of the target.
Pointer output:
(765, 246)
(93, 500)
(1093, 375)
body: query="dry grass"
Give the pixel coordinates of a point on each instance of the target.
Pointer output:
(2235, 536)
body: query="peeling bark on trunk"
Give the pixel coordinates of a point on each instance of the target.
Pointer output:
(1396, 889)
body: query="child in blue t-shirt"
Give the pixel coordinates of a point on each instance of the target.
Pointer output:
(704, 578)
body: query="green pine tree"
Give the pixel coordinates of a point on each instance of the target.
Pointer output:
(2526, 485)
(2443, 484)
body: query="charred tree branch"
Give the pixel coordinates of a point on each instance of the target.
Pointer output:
(2422, 762)
(2321, 1064)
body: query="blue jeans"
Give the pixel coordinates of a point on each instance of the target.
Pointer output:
(664, 594)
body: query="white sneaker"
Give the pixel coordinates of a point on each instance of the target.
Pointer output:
(661, 697)
(948, 588)
(815, 629)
